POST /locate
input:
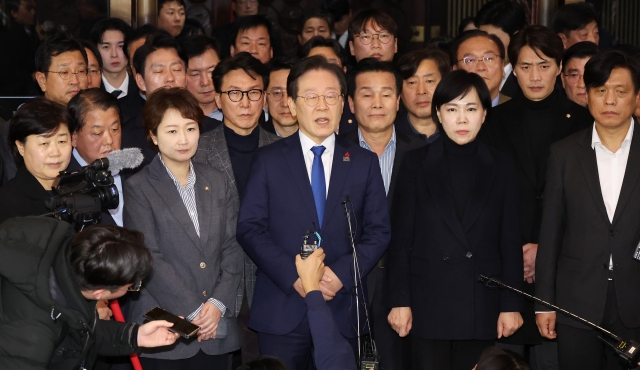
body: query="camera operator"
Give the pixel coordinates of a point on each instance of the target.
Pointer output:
(41, 146)
(331, 350)
(52, 322)
(95, 132)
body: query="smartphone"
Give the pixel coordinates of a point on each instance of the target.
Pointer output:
(180, 326)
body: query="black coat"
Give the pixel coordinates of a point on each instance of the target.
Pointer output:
(30, 249)
(17, 61)
(22, 196)
(434, 259)
(577, 238)
(131, 104)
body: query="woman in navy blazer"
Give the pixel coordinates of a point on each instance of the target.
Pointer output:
(188, 216)
(454, 217)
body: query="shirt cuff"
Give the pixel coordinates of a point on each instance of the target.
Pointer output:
(214, 302)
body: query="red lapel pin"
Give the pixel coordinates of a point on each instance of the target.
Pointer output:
(346, 157)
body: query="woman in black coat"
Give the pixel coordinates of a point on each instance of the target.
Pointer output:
(41, 145)
(455, 217)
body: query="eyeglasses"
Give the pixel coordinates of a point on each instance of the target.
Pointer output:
(237, 95)
(135, 287)
(367, 38)
(277, 95)
(312, 100)
(95, 72)
(573, 77)
(488, 59)
(66, 74)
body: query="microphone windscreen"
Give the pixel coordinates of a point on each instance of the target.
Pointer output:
(125, 158)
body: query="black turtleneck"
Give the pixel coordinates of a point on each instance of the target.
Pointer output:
(241, 149)
(461, 162)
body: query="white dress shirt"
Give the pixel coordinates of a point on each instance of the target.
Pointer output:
(124, 87)
(116, 214)
(327, 156)
(507, 72)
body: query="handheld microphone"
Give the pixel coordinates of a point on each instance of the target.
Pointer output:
(125, 158)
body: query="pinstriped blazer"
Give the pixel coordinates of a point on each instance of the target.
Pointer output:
(212, 150)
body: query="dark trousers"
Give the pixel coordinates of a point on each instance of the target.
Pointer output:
(427, 354)
(581, 349)
(248, 338)
(294, 348)
(200, 361)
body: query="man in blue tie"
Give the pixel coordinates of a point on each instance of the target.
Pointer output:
(299, 186)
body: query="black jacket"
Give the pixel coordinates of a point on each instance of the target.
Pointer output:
(37, 330)
(22, 196)
(434, 259)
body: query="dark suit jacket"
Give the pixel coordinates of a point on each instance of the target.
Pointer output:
(278, 208)
(21, 196)
(212, 150)
(187, 269)
(577, 238)
(348, 122)
(131, 104)
(511, 87)
(434, 259)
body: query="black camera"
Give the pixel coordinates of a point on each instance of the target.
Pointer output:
(81, 196)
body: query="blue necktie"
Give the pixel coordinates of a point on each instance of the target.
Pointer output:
(318, 184)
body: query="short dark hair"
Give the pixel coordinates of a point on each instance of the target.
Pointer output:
(192, 27)
(598, 69)
(250, 22)
(143, 31)
(281, 63)
(321, 42)
(315, 13)
(494, 358)
(409, 63)
(580, 50)
(110, 24)
(108, 257)
(314, 63)
(540, 39)
(456, 84)
(467, 35)
(86, 101)
(52, 47)
(154, 43)
(264, 363)
(465, 22)
(196, 45)
(361, 17)
(337, 8)
(244, 61)
(161, 101)
(162, 2)
(571, 17)
(40, 116)
(372, 65)
(507, 15)
(92, 47)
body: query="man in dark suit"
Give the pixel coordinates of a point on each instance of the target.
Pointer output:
(374, 97)
(111, 36)
(297, 188)
(525, 127)
(589, 230)
(230, 148)
(281, 122)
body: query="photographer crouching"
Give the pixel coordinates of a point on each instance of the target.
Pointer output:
(50, 281)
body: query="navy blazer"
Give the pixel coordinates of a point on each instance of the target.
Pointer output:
(434, 259)
(278, 208)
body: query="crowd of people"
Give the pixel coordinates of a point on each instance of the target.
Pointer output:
(507, 151)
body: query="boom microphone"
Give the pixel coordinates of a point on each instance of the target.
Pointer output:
(125, 158)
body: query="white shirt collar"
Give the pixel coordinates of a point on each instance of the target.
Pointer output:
(329, 143)
(595, 138)
(124, 87)
(507, 72)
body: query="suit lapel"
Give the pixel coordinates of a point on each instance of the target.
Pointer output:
(292, 153)
(589, 164)
(437, 175)
(631, 173)
(339, 174)
(483, 180)
(203, 203)
(167, 191)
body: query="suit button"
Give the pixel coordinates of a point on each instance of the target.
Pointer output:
(203, 265)
(469, 255)
(612, 232)
(204, 293)
(445, 257)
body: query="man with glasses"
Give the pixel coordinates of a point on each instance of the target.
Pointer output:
(573, 62)
(58, 308)
(297, 191)
(61, 72)
(281, 122)
(478, 52)
(239, 84)
(372, 34)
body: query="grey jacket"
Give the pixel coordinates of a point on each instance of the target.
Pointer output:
(187, 269)
(212, 150)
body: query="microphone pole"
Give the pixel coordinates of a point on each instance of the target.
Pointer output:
(355, 269)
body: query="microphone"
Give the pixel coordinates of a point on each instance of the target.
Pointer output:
(125, 158)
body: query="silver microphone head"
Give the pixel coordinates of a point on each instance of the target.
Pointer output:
(125, 158)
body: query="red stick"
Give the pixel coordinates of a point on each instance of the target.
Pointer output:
(117, 314)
